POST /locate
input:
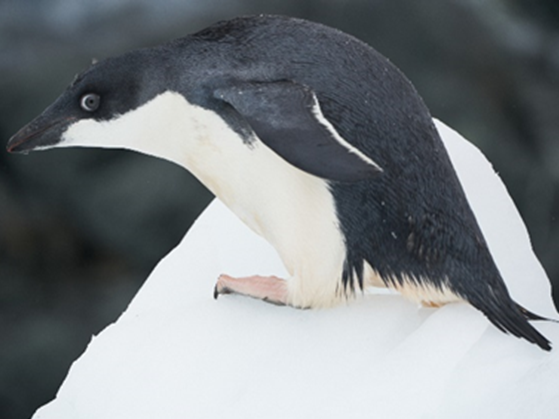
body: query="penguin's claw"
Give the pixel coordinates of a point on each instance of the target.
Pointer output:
(218, 290)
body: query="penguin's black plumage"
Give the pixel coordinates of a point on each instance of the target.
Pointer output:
(312, 138)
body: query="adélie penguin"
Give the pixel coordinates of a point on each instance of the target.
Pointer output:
(314, 140)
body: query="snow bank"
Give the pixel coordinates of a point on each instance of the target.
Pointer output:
(177, 353)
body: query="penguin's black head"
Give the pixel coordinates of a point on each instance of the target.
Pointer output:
(105, 90)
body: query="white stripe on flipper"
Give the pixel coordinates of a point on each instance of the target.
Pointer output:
(317, 112)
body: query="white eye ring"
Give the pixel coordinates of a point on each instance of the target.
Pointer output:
(90, 102)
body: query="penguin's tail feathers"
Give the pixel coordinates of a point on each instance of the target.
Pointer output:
(532, 316)
(510, 317)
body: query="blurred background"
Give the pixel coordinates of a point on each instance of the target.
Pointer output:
(80, 230)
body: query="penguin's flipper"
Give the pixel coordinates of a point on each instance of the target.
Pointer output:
(286, 116)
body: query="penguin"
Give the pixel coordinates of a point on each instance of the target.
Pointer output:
(316, 141)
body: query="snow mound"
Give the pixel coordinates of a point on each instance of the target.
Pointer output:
(177, 353)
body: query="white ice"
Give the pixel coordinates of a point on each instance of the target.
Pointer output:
(177, 353)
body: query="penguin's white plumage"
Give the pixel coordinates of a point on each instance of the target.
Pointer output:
(315, 141)
(308, 228)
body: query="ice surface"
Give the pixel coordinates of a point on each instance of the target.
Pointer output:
(177, 353)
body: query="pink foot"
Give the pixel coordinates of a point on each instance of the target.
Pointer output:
(268, 288)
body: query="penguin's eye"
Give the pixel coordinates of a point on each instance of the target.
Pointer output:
(90, 102)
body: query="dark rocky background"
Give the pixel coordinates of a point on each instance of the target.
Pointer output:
(80, 230)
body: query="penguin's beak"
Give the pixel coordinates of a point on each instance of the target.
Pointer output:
(40, 133)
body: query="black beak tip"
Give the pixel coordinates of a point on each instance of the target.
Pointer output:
(37, 134)
(14, 145)
(11, 146)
